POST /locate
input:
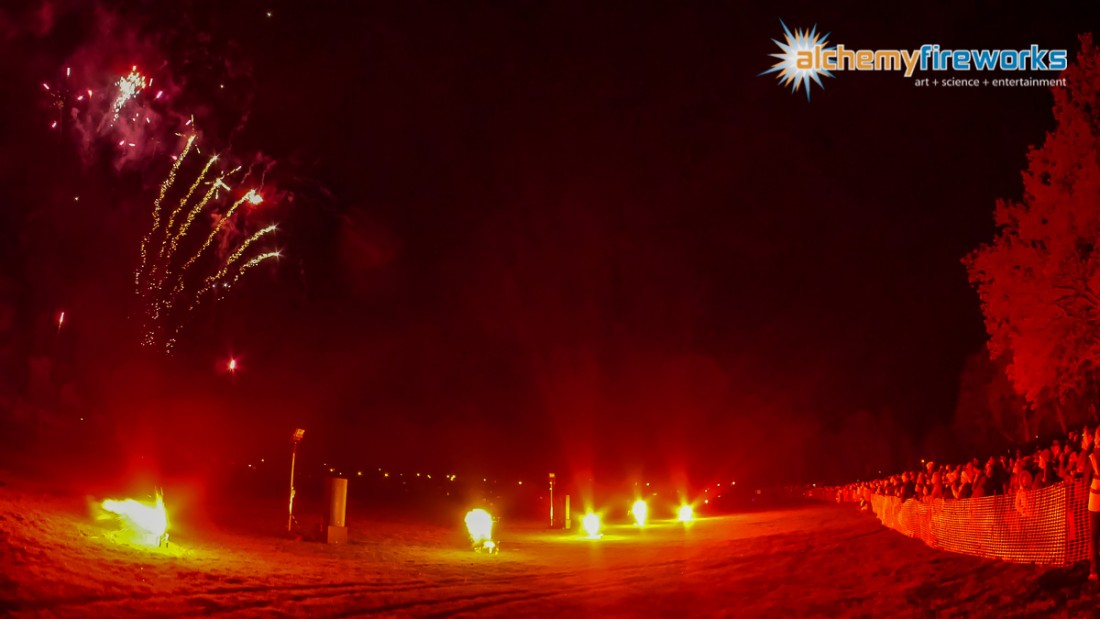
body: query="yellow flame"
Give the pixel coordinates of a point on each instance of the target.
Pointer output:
(147, 524)
(640, 511)
(480, 526)
(591, 524)
(687, 514)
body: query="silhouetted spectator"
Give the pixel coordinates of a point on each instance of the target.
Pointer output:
(998, 476)
(909, 486)
(978, 485)
(1093, 476)
(964, 489)
(1046, 475)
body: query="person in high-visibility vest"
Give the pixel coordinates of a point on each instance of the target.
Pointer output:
(1094, 508)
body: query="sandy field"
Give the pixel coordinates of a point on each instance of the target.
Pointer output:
(819, 560)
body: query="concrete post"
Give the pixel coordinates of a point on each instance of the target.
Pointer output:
(336, 502)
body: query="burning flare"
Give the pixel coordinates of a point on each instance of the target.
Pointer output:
(479, 523)
(591, 524)
(687, 514)
(146, 524)
(640, 510)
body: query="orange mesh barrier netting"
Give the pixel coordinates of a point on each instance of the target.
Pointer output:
(1047, 525)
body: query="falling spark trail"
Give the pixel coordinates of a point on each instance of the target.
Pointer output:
(252, 263)
(186, 198)
(220, 275)
(173, 243)
(164, 187)
(166, 285)
(248, 197)
(213, 282)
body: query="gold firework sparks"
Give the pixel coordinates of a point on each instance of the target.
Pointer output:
(164, 187)
(165, 284)
(128, 86)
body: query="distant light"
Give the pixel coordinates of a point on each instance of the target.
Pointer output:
(331, 470)
(686, 514)
(640, 511)
(360, 473)
(60, 320)
(232, 366)
(591, 524)
(520, 482)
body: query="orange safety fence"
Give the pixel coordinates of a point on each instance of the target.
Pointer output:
(1045, 526)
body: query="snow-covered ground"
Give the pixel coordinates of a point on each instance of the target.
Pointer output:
(820, 560)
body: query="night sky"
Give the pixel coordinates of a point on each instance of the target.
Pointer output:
(520, 236)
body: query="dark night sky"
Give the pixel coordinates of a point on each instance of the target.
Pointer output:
(528, 235)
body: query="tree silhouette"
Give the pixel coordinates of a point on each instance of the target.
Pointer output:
(1039, 279)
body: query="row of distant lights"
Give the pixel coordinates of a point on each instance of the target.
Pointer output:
(453, 477)
(386, 474)
(449, 477)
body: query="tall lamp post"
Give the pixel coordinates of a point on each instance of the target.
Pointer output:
(553, 478)
(297, 438)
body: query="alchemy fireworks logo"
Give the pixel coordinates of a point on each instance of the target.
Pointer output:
(806, 56)
(791, 71)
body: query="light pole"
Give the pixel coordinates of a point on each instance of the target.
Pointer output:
(552, 480)
(297, 438)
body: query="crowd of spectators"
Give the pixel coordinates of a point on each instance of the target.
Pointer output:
(1062, 459)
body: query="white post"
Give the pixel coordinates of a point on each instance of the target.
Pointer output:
(552, 478)
(297, 438)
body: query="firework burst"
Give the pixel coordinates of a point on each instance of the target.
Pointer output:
(123, 111)
(168, 286)
(128, 86)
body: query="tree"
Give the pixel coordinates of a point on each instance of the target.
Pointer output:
(1039, 279)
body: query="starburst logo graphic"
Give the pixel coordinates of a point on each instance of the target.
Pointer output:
(790, 70)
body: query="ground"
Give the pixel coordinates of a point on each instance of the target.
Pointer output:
(816, 560)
